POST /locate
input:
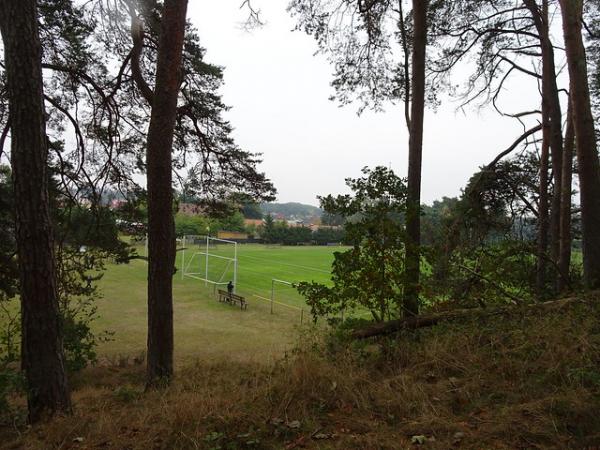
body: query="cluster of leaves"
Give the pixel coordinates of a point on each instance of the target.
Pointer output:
(370, 274)
(11, 379)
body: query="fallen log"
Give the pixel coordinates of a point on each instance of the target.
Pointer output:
(423, 321)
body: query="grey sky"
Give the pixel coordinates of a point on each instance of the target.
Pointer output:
(279, 90)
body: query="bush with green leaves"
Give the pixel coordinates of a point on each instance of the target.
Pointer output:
(11, 379)
(370, 275)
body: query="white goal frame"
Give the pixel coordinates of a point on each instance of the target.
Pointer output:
(186, 271)
(275, 281)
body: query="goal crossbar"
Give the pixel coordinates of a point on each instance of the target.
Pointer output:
(275, 280)
(278, 281)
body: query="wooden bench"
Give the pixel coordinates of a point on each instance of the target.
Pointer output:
(233, 299)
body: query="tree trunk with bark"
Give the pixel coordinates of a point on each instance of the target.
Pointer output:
(42, 349)
(429, 320)
(415, 156)
(564, 263)
(543, 223)
(551, 97)
(161, 228)
(587, 153)
(551, 102)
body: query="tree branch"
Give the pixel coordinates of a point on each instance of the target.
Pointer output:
(514, 145)
(137, 35)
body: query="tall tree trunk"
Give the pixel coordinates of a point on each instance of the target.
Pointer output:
(161, 229)
(42, 349)
(564, 263)
(585, 136)
(551, 101)
(550, 93)
(415, 156)
(542, 238)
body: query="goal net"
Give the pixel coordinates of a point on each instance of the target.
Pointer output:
(208, 259)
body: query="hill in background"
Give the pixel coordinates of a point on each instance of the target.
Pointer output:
(291, 210)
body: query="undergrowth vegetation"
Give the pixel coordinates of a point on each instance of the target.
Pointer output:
(525, 379)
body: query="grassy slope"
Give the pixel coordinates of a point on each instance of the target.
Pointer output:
(519, 381)
(205, 328)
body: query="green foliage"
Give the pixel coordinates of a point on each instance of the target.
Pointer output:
(133, 211)
(79, 340)
(494, 273)
(252, 211)
(93, 228)
(324, 236)
(186, 224)
(232, 222)
(8, 263)
(279, 232)
(370, 274)
(481, 246)
(331, 219)
(90, 238)
(127, 394)
(267, 231)
(11, 379)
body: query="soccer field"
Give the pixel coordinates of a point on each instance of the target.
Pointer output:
(205, 328)
(262, 271)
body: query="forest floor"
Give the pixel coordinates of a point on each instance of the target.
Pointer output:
(523, 380)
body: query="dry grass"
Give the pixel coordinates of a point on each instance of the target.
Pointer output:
(519, 381)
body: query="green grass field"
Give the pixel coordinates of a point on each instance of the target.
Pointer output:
(205, 328)
(258, 265)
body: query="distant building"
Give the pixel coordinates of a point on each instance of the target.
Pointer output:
(232, 235)
(117, 203)
(315, 227)
(190, 209)
(295, 223)
(255, 222)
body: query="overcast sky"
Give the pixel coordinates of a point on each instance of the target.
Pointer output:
(279, 91)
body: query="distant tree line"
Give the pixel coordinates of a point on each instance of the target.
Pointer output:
(279, 232)
(186, 224)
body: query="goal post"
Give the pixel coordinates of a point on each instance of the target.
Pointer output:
(274, 282)
(198, 262)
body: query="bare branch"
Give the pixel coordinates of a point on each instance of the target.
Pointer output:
(254, 19)
(514, 145)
